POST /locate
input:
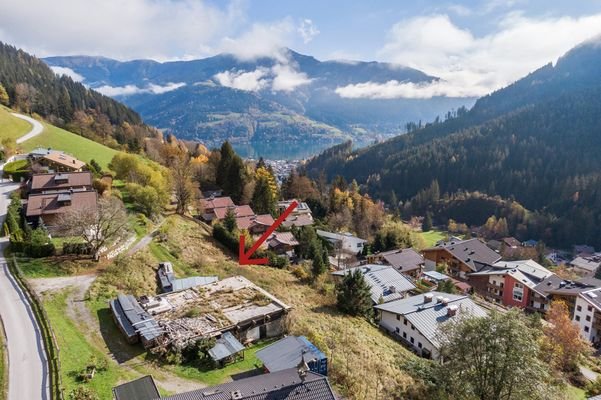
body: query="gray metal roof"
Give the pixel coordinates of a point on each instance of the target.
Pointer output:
(281, 385)
(143, 388)
(427, 317)
(381, 278)
(437, 276)
(469, 251)
(338, 237)
(287, 353)
(404, 259)
(186, 283)
(134, 319)
(227, 345)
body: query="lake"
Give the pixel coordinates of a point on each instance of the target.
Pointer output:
(280, 150)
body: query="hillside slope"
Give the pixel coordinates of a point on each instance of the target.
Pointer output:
(536, 141)
(11, 127)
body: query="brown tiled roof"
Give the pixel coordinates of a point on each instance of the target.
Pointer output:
(282, 238)
(44, 204)
(298, 220)
(248, 221)
(216, 202)
(57, 181)
(239, 211)
(404, 259)
(65, 159)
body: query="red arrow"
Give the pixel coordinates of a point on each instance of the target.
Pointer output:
(244, 258)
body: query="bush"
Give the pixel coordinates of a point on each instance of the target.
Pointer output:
(77, 248)
(277, 261)
(226, 238)
(17, 170)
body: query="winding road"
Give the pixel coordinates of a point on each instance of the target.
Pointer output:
(28, 377)
(37, 127)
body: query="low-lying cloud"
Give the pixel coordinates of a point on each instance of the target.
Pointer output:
(471, 65)
(279, 78)
(69, 72)
(128, 90)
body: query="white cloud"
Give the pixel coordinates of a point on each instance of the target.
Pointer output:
(69, 72)
(262, 40)
(307, 30)
(460, 10)
(287, 79)
(471, 65)
(129, 90)
(250, 81)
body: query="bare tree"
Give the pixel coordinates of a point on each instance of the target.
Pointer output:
(98, 225)
(181, 173)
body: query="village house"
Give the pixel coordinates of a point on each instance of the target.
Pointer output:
(587, 315)
(48, 207)
(512, 283)
(415, 320)
(255, 224)
(343, 242)
(385, 282)
(236, 305)
(135, 323)
(407, 261)
(298, 383)
(281, 243)
(210, 204)
(289, 352)
(586, 265)
(300, 216)
(60, 181)
(55, 161)
(460, 257)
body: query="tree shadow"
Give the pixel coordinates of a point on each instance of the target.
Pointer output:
(247, 374)
(118, 346)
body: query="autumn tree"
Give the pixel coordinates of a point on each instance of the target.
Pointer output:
(97, 226)
(4, 99)
(24, 97)
(563, 343)
(497, 357)
(265, 194)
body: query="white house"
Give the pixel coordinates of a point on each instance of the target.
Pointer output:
(415, 320)
(346, 242)
(587, 314)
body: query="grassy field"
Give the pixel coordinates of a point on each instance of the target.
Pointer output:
(3, 365)
(76, 352)
(10, 126)
(347, 341)
(80, 147)
(431, 237)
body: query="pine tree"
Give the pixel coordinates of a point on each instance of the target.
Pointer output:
(229, 222)
(225, 162)
(265, 195)
(427, 223)
(318, 267)
(353, 295)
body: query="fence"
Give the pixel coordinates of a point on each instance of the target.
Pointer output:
(50, 345)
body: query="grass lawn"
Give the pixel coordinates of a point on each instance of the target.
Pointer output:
(80, 147)
(11, 126)
(3, 365)
(221, 375)
(431, 237)
(575, 393)
(76, 352)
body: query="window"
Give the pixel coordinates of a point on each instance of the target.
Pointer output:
(586, 329)
(419, 344)
(588, 318)
(412, 327)
(405, 321)
(590, 308)
(517, 294)
(501, 285)
(398, 317)
(397, 330)
(577, 317)
(412, 340)
(518, 285)
(579, 308)
(405, 335)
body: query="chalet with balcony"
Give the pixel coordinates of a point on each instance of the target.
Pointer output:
(461, 257)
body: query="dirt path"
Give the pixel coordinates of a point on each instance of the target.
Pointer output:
(81, 314)
(36, 128)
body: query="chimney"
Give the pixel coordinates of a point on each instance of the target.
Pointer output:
(439, 299)
(392, 289)
(445, 301)
(428, 297)
(236, 395)
(452, 310)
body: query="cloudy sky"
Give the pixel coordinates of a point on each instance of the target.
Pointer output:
(474, 46)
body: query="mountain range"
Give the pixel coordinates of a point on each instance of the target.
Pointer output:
(290, 97)
(536, 141)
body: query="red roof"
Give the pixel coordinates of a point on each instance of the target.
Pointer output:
(216, 202)
(239, 211)
(248, 221)
(44, 204)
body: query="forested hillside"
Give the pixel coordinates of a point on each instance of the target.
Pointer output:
(32, 87)
(536, 141)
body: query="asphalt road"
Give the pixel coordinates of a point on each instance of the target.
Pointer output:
(36, 129)
(28, 370)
